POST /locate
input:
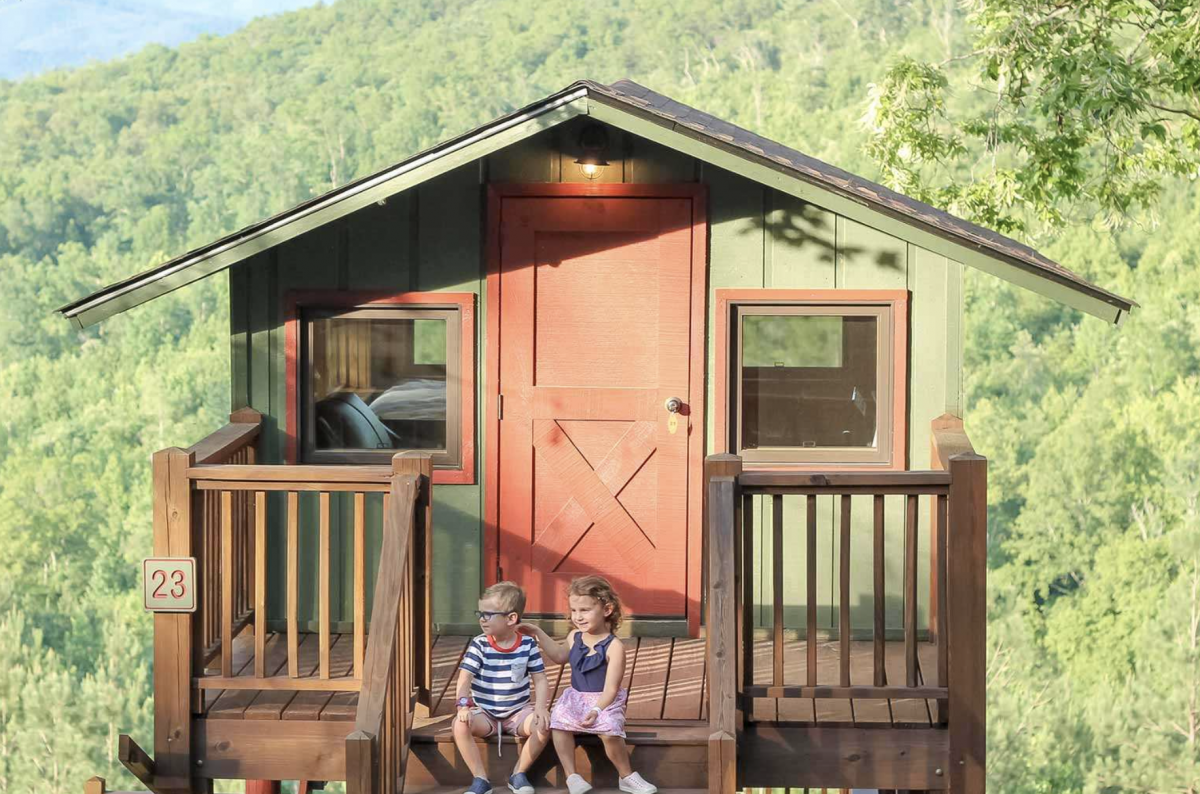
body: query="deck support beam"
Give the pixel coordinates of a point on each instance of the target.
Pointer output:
(908, 759)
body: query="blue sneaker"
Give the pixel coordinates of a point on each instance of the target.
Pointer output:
(519, 784)
(480, 785)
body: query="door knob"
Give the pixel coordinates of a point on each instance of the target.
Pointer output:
(673, 405)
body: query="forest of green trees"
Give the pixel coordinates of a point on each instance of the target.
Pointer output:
(1091, 431)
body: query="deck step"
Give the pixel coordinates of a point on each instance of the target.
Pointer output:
(663, 751)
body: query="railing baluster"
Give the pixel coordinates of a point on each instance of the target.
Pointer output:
(214, 542)
(844, 593)
(226, 583)
(239, 553)
(360, 581)
(212, 532)
(293, 576)
(880, 597)
(406, 627)
(402, 690)
(260, 584)
(323, 585)
(746, 566)
(910, 592)
(248, 519)
(242, 556)
(940, 577)
(812, 591)
(777, 582)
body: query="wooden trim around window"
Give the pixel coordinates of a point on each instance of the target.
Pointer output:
(896, 299)
(296, 300)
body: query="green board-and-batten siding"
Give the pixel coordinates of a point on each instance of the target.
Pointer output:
(430, 238)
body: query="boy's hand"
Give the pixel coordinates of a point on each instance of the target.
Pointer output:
(464, 714)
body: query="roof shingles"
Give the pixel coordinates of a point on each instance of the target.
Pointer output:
(642, 101)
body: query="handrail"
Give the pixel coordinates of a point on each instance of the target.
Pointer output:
(886, 482)
(377, 749)
(290, 478)
(240, 434)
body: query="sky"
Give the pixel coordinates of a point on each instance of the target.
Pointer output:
(38, 35)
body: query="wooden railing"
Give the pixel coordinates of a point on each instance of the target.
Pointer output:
(377, 749)
(237, 532)
(957, 546)
(212, 502)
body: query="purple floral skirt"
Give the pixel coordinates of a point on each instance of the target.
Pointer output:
(572, 706)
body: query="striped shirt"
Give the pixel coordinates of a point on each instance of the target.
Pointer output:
(501, 679)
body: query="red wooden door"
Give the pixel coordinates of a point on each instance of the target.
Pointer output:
(595, 335)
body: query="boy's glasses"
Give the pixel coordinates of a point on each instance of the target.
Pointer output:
(489, 615)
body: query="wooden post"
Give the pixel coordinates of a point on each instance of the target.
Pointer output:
(722, 763)
(173, 636)
(360, 777)
(722, 637)
(248, 416)
(966, 601)
(421, 463)
(94, 785)
(725, 465)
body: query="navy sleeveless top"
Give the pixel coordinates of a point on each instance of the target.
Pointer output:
(588, 672)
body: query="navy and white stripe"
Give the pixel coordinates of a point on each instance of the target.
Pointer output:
(493, 686)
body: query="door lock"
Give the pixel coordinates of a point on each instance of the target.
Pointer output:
(673, 405)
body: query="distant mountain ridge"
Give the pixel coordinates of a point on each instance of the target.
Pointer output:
(39, 35)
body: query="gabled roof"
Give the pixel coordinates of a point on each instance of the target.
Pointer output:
(636, 109)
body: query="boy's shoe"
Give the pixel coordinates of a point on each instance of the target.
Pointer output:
(636, 785)
(480, 785)
(577, 785)
(519, 784)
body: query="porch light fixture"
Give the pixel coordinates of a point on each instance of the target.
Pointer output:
(593, 141)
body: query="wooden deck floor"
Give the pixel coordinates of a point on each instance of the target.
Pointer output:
(665, 679)
(284, 704)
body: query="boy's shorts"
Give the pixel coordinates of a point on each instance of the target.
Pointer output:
(511, 724)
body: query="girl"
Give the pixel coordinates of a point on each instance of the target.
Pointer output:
(594, 703)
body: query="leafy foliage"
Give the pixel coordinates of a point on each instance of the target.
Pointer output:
(1070, 105)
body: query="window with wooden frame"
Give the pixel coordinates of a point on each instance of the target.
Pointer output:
(378, 375)
(813, 379)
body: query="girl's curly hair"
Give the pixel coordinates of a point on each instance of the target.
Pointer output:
(598, 587)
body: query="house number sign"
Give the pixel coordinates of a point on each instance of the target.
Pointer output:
(169, 584)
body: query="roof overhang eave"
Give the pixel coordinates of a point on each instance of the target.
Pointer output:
(1088, 298)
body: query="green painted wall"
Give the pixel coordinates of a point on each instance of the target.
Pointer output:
(430, 238)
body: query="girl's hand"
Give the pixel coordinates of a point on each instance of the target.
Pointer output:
(528, 628)
(590, 718)
(540, 723)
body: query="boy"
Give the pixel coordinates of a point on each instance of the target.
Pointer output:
(493, 689)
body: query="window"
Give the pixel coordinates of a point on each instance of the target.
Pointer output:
(814, 379)
(380, 376)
